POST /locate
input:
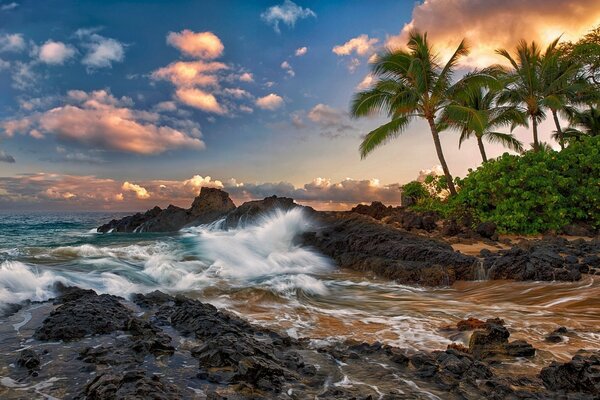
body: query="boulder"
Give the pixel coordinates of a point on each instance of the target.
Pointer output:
(486, 229)
(251, 211)
(581, 374)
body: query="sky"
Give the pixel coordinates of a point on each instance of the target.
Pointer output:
(121, 105)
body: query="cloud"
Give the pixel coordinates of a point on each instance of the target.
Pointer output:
(102, 52)
(57, 191)
(166, 106)
(287, 12)
(237, 93)
(12, 42)
(140, 192)
(361, 45)
(270, 102)
(190, 73)
(365, 83)
(246, 109)
(489, 25)
(301, 51)
(9, 6)
(288, 69)
(325, 115)
(196, 44)
(23, 76)
(101, 121)
(55, 53)
(246, 77)
(199, 99)
(5, 157)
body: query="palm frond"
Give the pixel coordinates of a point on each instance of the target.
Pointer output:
(382, 135)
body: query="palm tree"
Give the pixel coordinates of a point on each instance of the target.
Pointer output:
(562, 85)
(474, 112)
(411, 84)
(584, 123)
(525, 83)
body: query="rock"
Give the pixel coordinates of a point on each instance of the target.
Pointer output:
(375, 210)
(429, 223)
(486, 229)
(580, 375)
(556, 336)
(29, 359)
(210, 205)
(251, 211)
(134, 384)
(519, 348)
(470, 324)
(360, 243)
(86, 314)
(492, 341)
(578, 230)
(450, 228)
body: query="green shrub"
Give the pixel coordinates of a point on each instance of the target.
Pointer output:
(538, 191)
(415, 190)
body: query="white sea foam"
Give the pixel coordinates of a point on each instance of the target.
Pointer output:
(19, 282)
(263, 250)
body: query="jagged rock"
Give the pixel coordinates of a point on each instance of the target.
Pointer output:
(581, 374)
(134, 384)
(492, 341)
(486, 230)
(251, 211)
(360, 243)
(82, 313)
(375, 210)
(210, 205)
(29, 359)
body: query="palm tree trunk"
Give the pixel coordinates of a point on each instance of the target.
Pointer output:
(481, 149)
(561, 139)
(536, 142)
(440, 154)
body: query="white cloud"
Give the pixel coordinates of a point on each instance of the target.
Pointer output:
(288, 69)
(489, 25)
(102, 52)
(23, 76)
(9, 6)
(55, 53)
(246, 77)
(287, 12)
(270, 102)
(301, 51)
(365, 83)
(237, 93)
(12, 42)
(140, 192)
(246, 109)
(361, 45)
(99, 120)
(325, 115)
(196, 44)
(190, 73)
(199, 99)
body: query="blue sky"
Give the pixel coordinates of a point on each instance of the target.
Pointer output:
(66, 65)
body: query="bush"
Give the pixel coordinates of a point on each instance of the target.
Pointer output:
(538, 191)
(415, 190)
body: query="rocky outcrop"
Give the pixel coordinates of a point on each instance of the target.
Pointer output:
(210, 205)
(250, 211)
(360, 243)
(580, 375)
(165, 347)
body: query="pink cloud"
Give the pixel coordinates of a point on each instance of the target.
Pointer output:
(199, 99)
(196, 44)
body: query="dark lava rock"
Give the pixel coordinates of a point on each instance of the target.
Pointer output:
(450, 228)
(82, 313)
(581, 374)
(470, 324)
(578, 230)
(29, 359)
(486, 229)
(361, 243)
(251, 211)
(493, 341)
(556, 336)
(210, 205)
(134, 384)
(534, 263)
(375, 210)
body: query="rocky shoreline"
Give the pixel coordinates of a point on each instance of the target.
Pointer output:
(155, 346)
(391, 242)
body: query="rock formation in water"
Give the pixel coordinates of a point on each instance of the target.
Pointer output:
(391, 242)
(210, 205)
(162, 347)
